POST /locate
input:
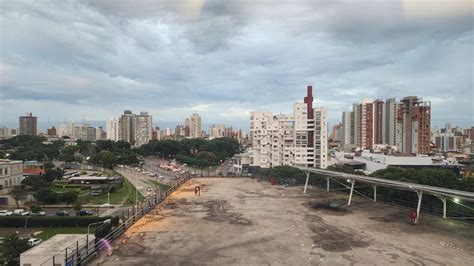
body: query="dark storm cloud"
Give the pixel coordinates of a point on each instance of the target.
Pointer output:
(226, 58)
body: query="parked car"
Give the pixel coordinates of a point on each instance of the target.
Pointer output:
(40, 213)
(96, 193)
(84, 213)
(34, 241)
(25, 213)
(62, 213)
(5, 213)
(18, 212)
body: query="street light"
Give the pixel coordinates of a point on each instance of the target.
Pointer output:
(108, 199)
(107, 221)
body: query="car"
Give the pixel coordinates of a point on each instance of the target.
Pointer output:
(95, 193)
(6, 213)
(34, 241)
(40, 213)
(25, 213)
(18, 212)
(149, 189)
(62, 213)
(84, 213)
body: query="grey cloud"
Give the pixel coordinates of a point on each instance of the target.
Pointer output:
(171, 56)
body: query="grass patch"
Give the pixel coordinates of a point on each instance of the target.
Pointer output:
(49, 232)
(124, 195)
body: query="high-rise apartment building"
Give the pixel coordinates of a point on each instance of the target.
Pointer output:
(378, 107)
(413, 125)
(217, 131)
(126, 131)
(405, 125)
(85, 132)
(296, 139)
(112, 129)
(52, 131)
(142, 124)
(389, 122)
(135, 129)
(28, 125)
(364, 124)
(348, 130)
(194, 125)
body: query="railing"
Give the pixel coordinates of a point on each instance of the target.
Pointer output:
(82, 251)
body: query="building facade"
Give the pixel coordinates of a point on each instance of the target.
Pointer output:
(112, 129)
(348, 130)
(389, 122)
(28, 125)
(194, 125)
(299, 139)
(11, 174)
(413, 125)
(135, 129)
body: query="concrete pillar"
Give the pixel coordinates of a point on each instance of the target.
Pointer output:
(375, 193)
(420, 196)
(352, 191)
(306, 184)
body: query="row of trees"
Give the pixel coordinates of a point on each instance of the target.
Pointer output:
(425, 176)
(105, 153)
(194, 152)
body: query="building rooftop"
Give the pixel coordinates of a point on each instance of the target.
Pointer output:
(6, 161)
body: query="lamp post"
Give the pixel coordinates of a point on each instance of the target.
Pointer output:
(88, 231)
(108, 199)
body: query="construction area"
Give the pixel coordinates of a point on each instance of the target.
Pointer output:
(241, 221)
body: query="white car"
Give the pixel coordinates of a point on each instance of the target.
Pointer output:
(5, 213)
(34, 241)
(18, 212)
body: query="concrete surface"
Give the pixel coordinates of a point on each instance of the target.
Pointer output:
(238, 221)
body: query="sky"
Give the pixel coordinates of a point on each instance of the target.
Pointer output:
(75, 60)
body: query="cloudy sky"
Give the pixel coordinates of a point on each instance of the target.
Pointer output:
(64, 60)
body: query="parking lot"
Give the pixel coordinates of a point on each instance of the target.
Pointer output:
(239, 221)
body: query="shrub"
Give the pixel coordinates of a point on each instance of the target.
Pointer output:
(50, 221)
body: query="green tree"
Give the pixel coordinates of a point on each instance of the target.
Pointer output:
(67, 197)
(46, 196)
(18, 193)
(36, 208)
(77, 205)
(13, 246)
(53, 174)
(34, 183)
(209, 157)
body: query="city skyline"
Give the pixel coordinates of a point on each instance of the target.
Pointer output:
(99, 58)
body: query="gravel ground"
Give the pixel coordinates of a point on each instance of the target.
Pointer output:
(239, 221)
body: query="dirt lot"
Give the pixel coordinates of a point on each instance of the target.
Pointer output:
(245, 222)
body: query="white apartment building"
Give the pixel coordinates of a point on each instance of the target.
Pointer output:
(84, 132)
(299, 139)
(194, 125)
(112, 129)
(216, 131)
(143, 128)
(11, 174)
(348, 130)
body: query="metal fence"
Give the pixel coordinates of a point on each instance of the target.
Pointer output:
(83, 250)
